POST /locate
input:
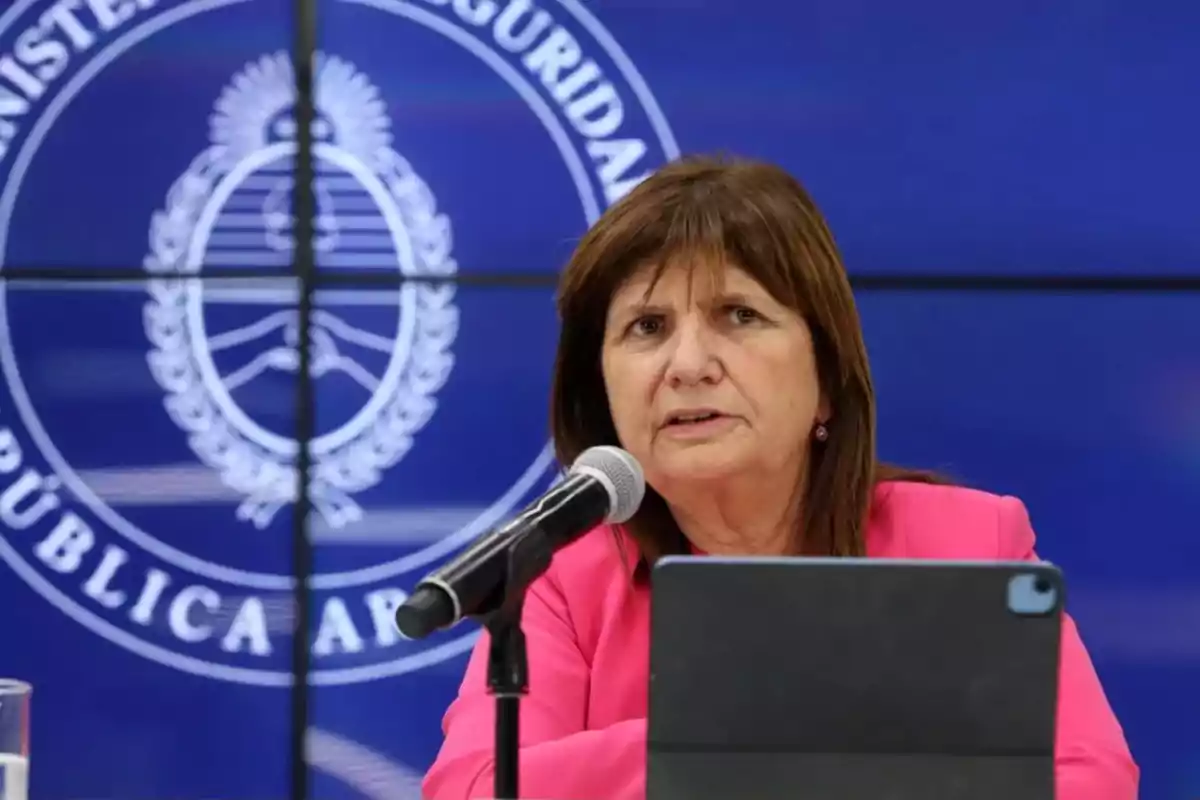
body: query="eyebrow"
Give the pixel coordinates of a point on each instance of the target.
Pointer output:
(642, 306)
(629, 310)
(718, 299)
(738, 298)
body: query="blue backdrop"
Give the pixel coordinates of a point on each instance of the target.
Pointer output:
(146, 451)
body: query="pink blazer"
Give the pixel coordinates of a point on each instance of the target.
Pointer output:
(583, 724)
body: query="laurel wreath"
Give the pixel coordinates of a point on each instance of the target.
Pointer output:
(268, 482)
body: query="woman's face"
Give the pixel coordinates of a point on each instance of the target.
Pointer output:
(706, 381)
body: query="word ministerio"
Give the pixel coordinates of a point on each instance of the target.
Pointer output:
(44, 53)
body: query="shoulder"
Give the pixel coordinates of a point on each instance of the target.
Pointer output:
(589, 581)
(603, 554)
(922, 520)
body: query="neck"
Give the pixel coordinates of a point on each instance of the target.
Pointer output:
(751, 517)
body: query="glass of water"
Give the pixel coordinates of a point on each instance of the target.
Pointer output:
(14, 739)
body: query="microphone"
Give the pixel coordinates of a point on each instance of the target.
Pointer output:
(605, 484)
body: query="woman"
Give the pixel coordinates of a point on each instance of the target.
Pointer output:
(708, 328)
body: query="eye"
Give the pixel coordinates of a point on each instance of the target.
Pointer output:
(741, 315)
(647, 325)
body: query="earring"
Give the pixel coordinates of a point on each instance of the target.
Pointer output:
(821, 433)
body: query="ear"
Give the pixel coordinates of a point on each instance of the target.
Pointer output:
(824, 412)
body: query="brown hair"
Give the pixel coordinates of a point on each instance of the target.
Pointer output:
(757, 216)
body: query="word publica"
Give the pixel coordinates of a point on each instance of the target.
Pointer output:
(152, 598)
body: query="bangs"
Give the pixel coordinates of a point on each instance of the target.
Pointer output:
(692, 237)
(704, 230)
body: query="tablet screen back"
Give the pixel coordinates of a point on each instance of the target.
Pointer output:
(847, 678)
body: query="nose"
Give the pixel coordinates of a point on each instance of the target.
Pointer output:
(691, 360)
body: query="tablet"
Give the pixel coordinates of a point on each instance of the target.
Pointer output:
(852, 679)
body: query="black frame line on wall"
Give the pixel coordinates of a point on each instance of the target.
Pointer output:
(1049, 283)
(340, 277)
(304, 209)
(882, 281)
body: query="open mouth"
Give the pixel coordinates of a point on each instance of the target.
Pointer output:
(692, 418)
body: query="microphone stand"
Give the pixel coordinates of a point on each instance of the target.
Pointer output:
(508, 666)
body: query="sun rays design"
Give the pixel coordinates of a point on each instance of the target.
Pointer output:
(255, 110)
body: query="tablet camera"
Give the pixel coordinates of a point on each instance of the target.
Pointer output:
(1032, 595)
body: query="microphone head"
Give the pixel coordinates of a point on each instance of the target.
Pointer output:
(621, 475)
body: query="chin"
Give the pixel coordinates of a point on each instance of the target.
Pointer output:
(698, 464)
